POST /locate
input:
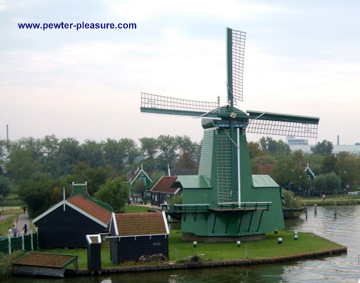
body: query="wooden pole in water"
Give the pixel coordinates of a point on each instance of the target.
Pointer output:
(335, 209)
(305, 211)
(315, 208)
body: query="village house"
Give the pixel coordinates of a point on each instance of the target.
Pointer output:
(66, 224)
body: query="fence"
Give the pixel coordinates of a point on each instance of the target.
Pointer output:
(25, 243)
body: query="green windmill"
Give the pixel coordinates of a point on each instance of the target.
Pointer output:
(225, 201)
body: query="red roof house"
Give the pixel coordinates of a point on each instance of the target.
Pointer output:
(164, 189)
(67, 223)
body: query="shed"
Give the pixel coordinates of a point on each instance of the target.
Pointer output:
(166, 188)
(66, 224)
(44, 264)
(135, 234)
(94, 253)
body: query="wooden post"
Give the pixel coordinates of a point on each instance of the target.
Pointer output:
(23, 242)
(315, 208)
(335, 209)
(9, 242)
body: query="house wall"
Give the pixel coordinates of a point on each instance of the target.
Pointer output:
(131, 248)
(60, 229)
(158, 198)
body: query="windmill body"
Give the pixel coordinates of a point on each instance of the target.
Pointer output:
(225, 201)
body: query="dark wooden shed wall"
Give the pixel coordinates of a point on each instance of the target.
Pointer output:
(131, 248)
(60, 229)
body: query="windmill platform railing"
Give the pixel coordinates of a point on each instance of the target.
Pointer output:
(242, 206)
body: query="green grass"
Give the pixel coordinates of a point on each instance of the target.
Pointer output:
(179, 249)
(136, 208)
(331, 200)
(269, 247)
(8, 221)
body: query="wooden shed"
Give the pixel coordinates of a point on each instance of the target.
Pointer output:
(135, 234)
(44, 264)
(66, 224)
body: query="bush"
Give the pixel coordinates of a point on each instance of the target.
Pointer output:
(6, 261)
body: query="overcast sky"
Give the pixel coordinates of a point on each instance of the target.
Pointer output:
(301, 57)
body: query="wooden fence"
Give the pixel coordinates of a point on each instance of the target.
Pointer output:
(25, 243)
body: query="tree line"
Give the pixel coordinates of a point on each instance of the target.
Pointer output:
(334, 173)
(39, 169)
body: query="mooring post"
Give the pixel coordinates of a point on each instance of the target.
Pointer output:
(305, 211)
(335, 209)
(315, 208)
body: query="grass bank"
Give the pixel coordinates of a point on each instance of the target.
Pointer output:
(182, 250)
(331, 200)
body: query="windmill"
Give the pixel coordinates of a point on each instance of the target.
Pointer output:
(225, 201)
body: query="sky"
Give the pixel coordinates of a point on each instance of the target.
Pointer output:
(301, 58)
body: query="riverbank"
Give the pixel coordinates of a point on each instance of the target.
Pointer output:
(212, 263)
(331, 200)
(183, 255)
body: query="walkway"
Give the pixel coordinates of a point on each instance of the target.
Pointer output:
(21, 221)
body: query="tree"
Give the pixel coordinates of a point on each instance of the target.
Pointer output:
(329, 164)
(92, 153)
(115, 193)
(298, 156)
(255, 150)
(67, 157)
(167, 149)
(38, 193)
(327, 183)
(94, 176)
(274, 147)
(4, 186)
(149, 147)
(113, 153)
(22, 164)
(346, 168)
(324, 148)
(129, 149)
(287, 173)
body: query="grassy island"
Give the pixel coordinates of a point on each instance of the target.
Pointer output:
(308, 245)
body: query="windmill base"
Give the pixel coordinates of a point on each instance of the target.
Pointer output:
(211, 239)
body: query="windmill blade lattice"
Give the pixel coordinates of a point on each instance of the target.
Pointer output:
(236, 54)
(282, 124)
(159, 104)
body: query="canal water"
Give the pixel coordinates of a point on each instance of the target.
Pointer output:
(343, 228)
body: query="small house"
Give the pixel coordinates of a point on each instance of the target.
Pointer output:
(139, 175)
(166, 188)
(133, 235)
(66, 224)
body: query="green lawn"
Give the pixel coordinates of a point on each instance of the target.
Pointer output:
(179, 249)
(11, 213)
(136, 208)
(269, 247)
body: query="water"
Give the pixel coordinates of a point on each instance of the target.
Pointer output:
(343, 229)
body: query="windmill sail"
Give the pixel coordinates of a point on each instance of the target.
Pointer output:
(282, 124)
(159, 104)
(235, 64)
